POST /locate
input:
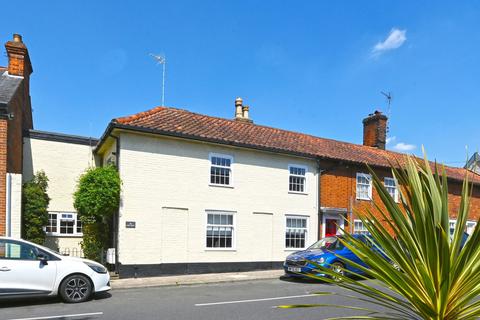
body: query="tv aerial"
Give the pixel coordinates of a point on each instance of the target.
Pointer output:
(389, 97)
(161, 59)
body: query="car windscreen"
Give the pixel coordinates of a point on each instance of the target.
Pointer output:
(48, 250)
(325, 243)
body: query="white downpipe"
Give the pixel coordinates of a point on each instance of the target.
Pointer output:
(8, 222)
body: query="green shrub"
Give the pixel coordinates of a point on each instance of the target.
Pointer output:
(96, 200)
(35, 208)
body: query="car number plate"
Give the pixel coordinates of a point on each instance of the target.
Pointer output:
(294, 269)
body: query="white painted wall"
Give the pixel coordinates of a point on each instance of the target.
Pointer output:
(159, 173)
(15, 205)
(63, 164)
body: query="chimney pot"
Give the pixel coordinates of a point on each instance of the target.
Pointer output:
(17, 38)
(375, 130)
(238, 108)
(245, 112)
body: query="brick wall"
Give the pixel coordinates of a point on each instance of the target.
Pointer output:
(338, 190)
(20, 107)
(3, 174)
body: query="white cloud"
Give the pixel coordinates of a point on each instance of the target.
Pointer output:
(404, 147)
(391, 140)
(395, 40)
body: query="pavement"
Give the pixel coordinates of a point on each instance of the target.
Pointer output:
(192, 279)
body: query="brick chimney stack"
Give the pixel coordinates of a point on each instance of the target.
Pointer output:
(375, 130)
(18, 60)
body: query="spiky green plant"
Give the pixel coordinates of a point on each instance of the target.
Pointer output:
(420, 271)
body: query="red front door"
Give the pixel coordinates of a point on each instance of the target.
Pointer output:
(330, 227)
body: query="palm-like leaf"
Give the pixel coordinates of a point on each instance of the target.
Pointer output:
(427, 274)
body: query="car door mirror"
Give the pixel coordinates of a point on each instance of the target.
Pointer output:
(43, 258)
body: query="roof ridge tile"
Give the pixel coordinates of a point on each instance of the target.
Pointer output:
(188, 123)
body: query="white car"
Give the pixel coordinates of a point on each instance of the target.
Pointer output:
(27, 269)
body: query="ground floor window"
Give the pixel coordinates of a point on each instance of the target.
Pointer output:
(220, 230)
(296, 232)
(359, 227)
(63, 223)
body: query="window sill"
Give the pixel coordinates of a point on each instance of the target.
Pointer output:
(220, 186)
(221, 249)
(294, 249)
(364, 199)
(301, 193)
(64, 235)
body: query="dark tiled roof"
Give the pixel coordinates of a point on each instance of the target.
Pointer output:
(8, 87)
(178, 122)
(60, 137)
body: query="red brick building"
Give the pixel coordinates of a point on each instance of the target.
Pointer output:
(15, 119)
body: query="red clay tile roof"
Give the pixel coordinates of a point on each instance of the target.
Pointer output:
(172, 121)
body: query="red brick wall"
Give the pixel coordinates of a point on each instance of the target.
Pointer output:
(338, 190)
(20, 107)
(3, 173)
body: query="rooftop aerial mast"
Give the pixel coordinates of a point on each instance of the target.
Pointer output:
(161, 59)
(389, 97)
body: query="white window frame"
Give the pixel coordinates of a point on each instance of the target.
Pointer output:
(299, 166)
(369, 178)
(396, 195)
(473, 227)
(454, 221)
(220, 155)
(296, 216)
(234, 238)
(59, 219)
(363, 229)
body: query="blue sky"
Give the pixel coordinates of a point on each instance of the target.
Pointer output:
(311, 66)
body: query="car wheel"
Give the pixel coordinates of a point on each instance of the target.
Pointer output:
(75, 288)
(339, 269)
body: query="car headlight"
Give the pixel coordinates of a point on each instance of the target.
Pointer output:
(321, 260)
(97, 268)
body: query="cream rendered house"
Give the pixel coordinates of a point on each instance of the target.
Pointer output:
(192, 206)
(63, 158)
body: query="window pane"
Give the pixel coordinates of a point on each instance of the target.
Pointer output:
(219, 171)
(79, 226)
(219, 230)
(296, 232)
(52, 223)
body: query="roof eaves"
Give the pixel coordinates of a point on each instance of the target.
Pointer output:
(60, 137)
(104, 136)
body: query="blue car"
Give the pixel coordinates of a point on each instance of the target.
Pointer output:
(322, 252)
